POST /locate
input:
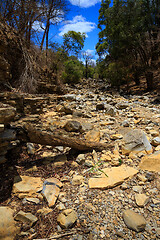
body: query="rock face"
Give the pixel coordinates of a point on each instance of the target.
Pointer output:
(112, 177)
(7, 114)
(136, 141)
(151, 162)
(8, 229)
(51, 190)
(67, 218)
(134, 221)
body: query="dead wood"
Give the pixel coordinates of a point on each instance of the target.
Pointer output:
(58, 236)
(59, 138)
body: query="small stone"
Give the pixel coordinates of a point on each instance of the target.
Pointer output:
(125, 123)
(60, 206)
(124, 186)
(134, 221)
(93, 136)
(154, 133)
(116, 136)
(156, 141)
(44, 211)
(80, 159)
(27, 218)
(67, 218)
(141, 200)
(137, 189)
(33, 200)
(88, 163)
(100, 106)
(77, 180)
(30, 148)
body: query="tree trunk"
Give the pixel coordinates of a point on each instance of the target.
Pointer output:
(58, 138)
(149, 80)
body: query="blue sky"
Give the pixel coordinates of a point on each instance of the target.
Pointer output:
(83, 17)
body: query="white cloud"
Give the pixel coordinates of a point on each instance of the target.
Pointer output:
(78, 24)
(84, 3)
(38, 26)
(90, 52)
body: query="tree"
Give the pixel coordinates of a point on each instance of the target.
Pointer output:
(53, 12)
(73, 42)
(88, 58)
(127, 35)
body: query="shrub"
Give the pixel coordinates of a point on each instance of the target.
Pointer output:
(73, 71)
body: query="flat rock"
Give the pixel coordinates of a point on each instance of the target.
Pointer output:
(67, 218)
(27, 186)
(27, 218)
(134, 220)
(141, 200)
(151, 162)
(8, 229)
(51, 190)
(116, 176)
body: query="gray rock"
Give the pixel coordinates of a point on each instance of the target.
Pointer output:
(30, 148)
(134, 221)
(136, 140)
(72, 126)
(110, 110)
(27, 218)
(122, 105)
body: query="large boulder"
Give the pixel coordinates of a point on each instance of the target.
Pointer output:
(135, 140)
(8, 229)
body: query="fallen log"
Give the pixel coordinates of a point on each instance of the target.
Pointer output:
(59, 138)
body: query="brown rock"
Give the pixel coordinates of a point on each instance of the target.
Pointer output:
(93, 136)
(116, 176)
(67, 218)
(8, 229)
(151, 162)
(77, 180)
(27, 186)
(141, 199)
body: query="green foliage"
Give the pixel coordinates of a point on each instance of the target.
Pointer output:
(129, 34)
(73, 42)
(73, 71)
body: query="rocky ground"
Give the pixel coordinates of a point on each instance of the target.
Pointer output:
(59, 192)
